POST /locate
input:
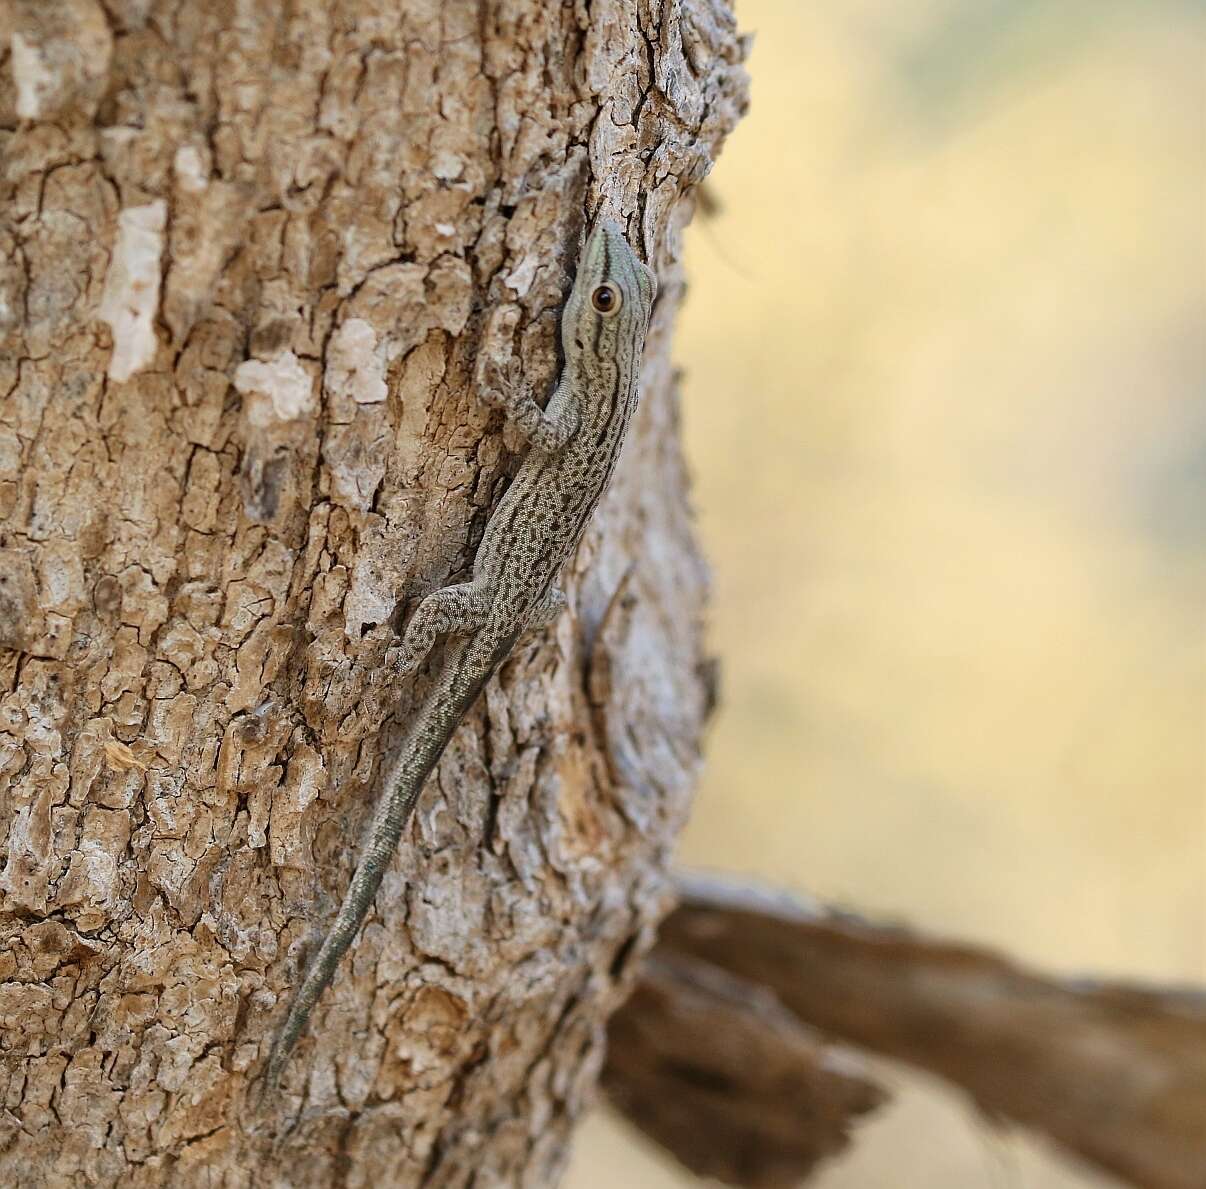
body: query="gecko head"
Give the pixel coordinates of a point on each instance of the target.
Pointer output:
(612, 299)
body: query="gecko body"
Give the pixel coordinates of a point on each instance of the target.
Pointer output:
(574, 442)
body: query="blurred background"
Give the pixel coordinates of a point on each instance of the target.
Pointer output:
(944, 353)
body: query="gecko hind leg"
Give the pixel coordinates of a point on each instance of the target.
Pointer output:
(547, 611)
(452, 611)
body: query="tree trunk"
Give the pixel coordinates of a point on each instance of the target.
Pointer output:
(250, 251)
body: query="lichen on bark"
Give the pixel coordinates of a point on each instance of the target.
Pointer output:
(249, 256)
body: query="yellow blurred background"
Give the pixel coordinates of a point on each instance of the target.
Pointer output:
(944, 407)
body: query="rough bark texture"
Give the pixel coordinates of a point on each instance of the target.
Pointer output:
(1116, 1074)
(249, 252)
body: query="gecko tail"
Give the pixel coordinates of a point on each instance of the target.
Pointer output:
(370, 870)
(365, 882)
(433, 725)
(369, 873)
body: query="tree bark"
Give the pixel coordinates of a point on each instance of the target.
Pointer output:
(249, 255)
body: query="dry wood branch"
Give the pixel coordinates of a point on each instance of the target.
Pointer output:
(1114, 1073)
(715, 1070)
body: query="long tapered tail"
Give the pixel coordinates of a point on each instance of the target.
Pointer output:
(464, 675)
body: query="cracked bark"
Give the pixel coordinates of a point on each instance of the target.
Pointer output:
(249, 254)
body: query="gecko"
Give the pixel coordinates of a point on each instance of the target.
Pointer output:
(573, 444)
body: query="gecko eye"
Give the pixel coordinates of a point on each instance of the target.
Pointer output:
(606, 298)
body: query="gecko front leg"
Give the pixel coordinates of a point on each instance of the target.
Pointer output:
(549, 429)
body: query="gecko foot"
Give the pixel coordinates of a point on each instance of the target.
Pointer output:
(548, 611)
(453, 611)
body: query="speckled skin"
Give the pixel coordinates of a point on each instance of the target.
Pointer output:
(574, 442)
